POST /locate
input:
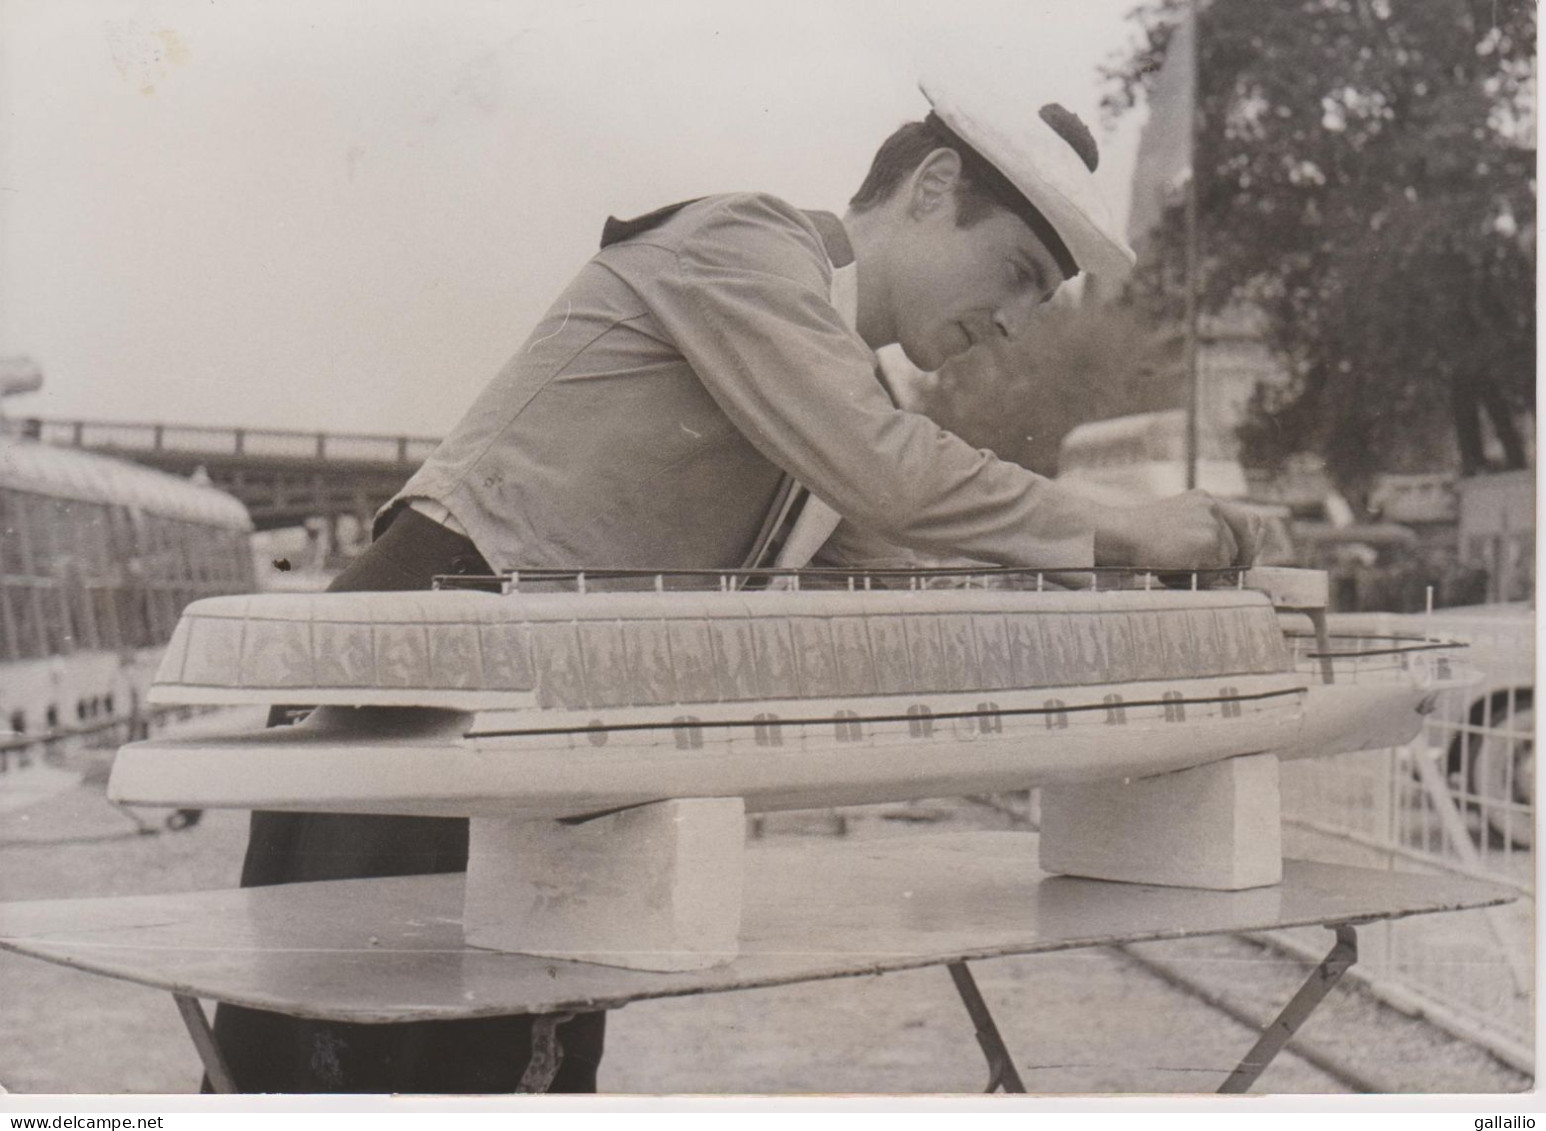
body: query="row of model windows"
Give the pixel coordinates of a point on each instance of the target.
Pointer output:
(76, 575)
(767, 728)
(89, 709)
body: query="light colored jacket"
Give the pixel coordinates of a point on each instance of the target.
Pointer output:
(649, 420)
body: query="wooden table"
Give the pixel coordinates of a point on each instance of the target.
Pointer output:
(391, 950)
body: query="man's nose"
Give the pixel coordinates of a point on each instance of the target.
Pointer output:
(1013, 316)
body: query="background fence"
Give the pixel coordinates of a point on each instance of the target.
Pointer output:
(252, 443)
(35, 766)
(1460, 800)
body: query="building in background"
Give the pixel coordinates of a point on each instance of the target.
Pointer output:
(98, 558)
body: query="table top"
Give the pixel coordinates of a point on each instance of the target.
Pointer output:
(390, 950)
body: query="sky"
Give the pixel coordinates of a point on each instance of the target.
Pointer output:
(346, 214)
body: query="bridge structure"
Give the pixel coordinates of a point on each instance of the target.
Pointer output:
(284, 478)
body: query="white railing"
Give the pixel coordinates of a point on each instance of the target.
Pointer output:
(1459, 800)
(257, 443)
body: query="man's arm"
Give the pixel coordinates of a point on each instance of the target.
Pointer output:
(1190, 531)
(744, 298)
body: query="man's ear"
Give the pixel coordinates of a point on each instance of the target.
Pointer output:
(934, 182)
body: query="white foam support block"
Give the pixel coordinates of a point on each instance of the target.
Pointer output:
(1216, 826)
(657, 887)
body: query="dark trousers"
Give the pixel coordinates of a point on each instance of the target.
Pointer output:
(270, 1052)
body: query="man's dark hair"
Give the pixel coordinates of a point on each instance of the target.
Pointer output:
(982, 186)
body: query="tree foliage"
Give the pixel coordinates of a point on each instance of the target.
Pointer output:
(1365, 178)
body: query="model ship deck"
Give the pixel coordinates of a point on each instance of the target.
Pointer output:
(471, 651)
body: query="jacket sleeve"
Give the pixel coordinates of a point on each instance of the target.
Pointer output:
(745, 299)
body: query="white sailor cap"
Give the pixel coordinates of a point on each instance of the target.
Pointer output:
(1017, 138)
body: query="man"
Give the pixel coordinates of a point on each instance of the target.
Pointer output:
(712, 355)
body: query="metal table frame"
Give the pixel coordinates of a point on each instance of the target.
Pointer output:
(814, 911)
(1001, 1065)
(547, 1055)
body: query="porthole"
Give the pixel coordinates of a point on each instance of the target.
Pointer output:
(768, 732)
(689, 732)
(1116, 713)
(920, 721)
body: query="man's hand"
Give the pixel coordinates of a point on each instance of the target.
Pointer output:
(1190, 531)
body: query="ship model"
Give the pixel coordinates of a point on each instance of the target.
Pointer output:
(607, 731)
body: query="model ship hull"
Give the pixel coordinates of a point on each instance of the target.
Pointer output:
(566, 705)
(802, 754)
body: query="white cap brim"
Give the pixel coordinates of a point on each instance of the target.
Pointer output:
(1011, 135)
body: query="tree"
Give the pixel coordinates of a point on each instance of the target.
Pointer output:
(1365, 178)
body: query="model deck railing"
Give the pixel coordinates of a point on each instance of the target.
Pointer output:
(1345, 658)
(1024, 578)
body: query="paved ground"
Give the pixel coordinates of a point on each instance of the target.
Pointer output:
(1087, 1021)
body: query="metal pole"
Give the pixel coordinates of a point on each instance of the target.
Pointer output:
(1343, 955)
(1192, 397)
(1001, 1065)
(215, 1067)
(547, 1054)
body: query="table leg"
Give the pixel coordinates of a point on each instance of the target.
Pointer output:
(1001, 1066)
(547, 1055)
(1343, 955)
(220, 1078)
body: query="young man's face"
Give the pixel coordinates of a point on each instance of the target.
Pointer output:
(961, 286)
